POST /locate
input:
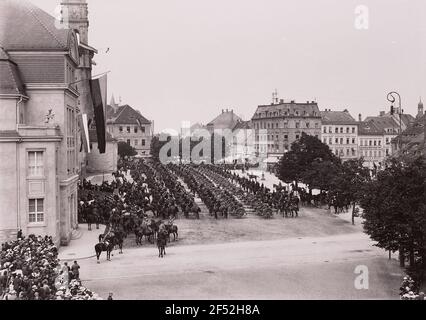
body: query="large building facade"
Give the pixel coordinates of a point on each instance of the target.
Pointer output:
(340, 133)
(44, 71)
(278, 125)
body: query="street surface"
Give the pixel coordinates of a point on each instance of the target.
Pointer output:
(305, 268)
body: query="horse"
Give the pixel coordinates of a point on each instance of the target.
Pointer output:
(144, 231)
(161, 244)
(172, 230)
(102, 247)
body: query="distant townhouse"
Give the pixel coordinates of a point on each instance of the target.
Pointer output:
(340, 133)
(126, 124)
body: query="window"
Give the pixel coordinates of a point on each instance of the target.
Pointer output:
(285, 137)
(330, 141)
(375, 143)
(308, 125)
(297, 136)
(353, 140)
(136, 142)
(370, 143)
(36, 210)
(136, 130)
(341, 130)
(347, 130)
(347, 141)
(337, 141)
(337, 130)
(128, 129)
(353, 130)
(341, 140)
(347, 152)
(380, 142)
(330, 130)
(143, 143)
(297, 125)
(120, 129)
(325, 129)
(35, 163)
(316, 125)
(128, 142)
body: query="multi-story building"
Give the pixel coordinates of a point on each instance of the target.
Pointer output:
(280, 124)
(38, 127)
(340, 133)
(129, 125)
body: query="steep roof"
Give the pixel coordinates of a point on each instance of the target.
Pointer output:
(337, 117)
(126, 115)
(10, 78)
(226, 120)
(24, 26)
(369, 129)
(243, 125)
(384, 123)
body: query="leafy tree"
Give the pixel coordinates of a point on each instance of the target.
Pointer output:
(321, 174)
(354, 176)
(394, 209)
(125, 149)
(302, 156)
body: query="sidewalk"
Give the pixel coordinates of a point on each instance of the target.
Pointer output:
(84, 246)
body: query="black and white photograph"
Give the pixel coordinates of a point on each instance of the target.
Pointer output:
(240, 151)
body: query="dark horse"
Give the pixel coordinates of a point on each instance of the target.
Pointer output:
(108, 244)
(161, 243)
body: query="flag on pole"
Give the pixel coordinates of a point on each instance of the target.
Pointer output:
(98, 89)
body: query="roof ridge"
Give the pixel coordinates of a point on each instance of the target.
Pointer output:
(27, 6)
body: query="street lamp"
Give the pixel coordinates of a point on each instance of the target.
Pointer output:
(392, 99)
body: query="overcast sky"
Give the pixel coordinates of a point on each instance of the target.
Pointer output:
(178, 60)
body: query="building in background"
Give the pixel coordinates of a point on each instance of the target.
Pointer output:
(340, 133)
(126, 124)
(227, 120)
(281, 123)
(412, 141)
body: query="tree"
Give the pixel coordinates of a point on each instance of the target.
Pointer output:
(394, 209)
(354, 177)
(300, 159)
(125, 149)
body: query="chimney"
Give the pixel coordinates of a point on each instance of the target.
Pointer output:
(282, 101)
(360, 117)
(292, 101)
(382, 113)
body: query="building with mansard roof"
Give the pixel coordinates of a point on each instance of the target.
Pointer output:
(281, 123)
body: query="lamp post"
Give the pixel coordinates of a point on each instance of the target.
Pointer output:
(392, 99)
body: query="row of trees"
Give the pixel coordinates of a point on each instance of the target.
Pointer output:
(313, 163)
(393, 200)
